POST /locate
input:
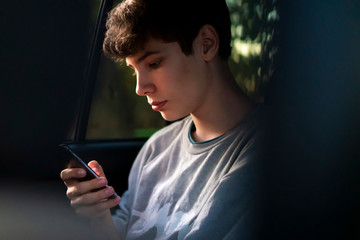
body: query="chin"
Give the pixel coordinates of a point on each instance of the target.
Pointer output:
(172, 116)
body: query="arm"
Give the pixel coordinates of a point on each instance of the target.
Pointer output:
(88, 201)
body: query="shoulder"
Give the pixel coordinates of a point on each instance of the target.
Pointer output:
(247, 144)
(251, 129)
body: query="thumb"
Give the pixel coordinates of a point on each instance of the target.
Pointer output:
(96, 167)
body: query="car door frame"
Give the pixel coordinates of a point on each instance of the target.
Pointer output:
(115, 155)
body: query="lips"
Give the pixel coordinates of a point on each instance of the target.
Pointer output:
(157, 106)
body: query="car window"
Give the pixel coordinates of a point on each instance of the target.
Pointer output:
(117, 112)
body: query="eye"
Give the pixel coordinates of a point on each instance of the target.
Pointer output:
(155, 64)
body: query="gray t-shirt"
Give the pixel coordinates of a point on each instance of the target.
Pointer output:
(179, 189)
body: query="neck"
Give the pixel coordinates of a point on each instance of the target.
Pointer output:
(224, 107)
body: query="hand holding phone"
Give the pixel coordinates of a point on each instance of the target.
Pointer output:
(74, 161)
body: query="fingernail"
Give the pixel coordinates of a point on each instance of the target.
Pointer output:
(102, 181)
(117, 199)
(109, 190)
(81, 172)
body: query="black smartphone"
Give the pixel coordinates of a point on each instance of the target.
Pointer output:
(74, 161)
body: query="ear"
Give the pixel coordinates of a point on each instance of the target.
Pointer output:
(209, 40)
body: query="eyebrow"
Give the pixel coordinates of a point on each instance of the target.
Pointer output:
(145, 55)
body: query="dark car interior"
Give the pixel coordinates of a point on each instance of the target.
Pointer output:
(51, 64)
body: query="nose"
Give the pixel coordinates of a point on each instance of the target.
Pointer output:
(144, 85)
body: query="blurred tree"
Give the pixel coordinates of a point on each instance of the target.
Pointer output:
(253, 41)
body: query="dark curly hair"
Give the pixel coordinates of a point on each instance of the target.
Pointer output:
(132, 22)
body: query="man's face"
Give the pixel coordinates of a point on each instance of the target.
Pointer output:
(174, 84)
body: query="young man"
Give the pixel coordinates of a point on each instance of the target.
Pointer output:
(196, 178)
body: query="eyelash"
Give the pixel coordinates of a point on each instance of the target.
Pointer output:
(155, 64)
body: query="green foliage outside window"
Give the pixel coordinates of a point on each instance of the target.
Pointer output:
(253, 32)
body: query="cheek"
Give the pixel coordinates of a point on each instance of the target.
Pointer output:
(184, 74)
(182, 79)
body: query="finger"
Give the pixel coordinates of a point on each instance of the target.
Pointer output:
(72, 173)
(93, 197)
(98, 208)
(94, 165)
(80, 188)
